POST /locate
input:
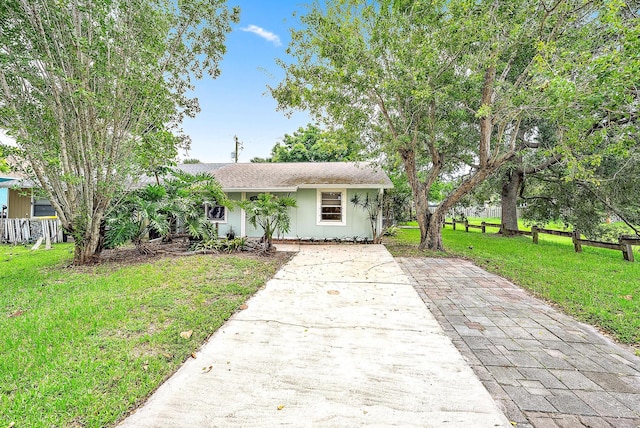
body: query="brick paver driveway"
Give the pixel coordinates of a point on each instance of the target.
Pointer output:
(542, 367)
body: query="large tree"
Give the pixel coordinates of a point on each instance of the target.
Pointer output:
(587, 204)
(586, 147)
(364, 66)
(94, 92)
(444, 84)
(312, 144)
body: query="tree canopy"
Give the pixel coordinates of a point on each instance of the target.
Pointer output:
(312, 144)
(94, 93)
(580, 169)
(447, 85)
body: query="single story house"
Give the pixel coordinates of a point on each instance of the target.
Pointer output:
(322, 191)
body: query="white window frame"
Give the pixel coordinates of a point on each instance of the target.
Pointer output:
(226, 213)
(343, 208)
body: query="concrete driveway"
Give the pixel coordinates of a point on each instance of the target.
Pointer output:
(338, 338)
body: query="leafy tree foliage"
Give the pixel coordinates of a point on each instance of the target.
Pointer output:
(157, 209)
(597, 126)
(580, 168)
(94, 94)
(4, 166)
(311, 144)
(397, 202)
(587, 204)
(447, 85)
(271, 213)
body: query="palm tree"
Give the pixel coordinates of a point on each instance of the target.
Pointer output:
(271, 213)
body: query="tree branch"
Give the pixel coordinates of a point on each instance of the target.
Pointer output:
(588, 188)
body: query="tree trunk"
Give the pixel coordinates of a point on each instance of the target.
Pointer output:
(422, 214)
(420, 191)
(87, 252)
(88, 244)
(434, 237)
(509, 198)
(420, 197)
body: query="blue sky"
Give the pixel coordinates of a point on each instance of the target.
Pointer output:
(237, 102)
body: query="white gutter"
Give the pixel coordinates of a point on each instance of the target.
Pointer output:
(346, 186)
(258, 190)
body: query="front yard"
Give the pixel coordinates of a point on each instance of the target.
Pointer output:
(83, 346)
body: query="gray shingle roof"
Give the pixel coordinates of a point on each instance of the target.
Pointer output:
(279, 176)
(290, 176)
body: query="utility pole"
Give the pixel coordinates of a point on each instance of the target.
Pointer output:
(236, 153)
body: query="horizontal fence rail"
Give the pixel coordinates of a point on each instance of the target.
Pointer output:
(26, 230)
(482, 212)
(625, 242)
(492, 211)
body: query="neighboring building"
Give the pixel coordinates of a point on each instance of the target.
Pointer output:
(322, 192)
(20, 199)
(3, 202)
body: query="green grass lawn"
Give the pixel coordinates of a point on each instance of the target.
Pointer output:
(597, 286)
(83, 346)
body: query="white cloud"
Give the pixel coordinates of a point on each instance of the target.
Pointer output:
(267, 35)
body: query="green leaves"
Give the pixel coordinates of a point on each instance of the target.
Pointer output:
(156, 208)
(96, 92)
(270, 213)
(311, 144)
(4, 166)
(484, 111)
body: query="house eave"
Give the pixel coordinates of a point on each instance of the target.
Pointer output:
(10, 184)
(258, 189)
(346, 186)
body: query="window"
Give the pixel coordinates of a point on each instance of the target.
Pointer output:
(216, 213)
(331, 207)
(43, 208)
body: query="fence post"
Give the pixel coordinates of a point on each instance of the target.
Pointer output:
(627, 249)
(576, 241)
(534, 232)
(484, 226)
(466, 225)
(454, 223)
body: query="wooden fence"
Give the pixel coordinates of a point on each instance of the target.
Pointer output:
(490, 211)
(625, 242)
(26, 230)
(483, 211)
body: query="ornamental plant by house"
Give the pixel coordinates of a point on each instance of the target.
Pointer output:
(271, 213)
